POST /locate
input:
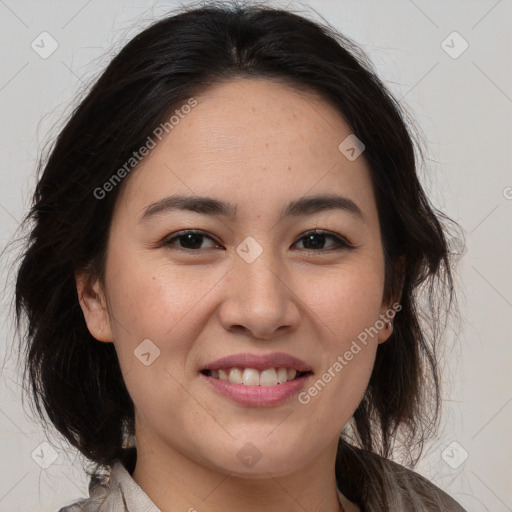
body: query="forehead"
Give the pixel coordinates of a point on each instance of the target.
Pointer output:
(253, 139)
(256, 113)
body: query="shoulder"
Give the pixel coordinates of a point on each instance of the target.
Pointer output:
(417, 492)
(113, 490)
(377, 484)
(104, 495)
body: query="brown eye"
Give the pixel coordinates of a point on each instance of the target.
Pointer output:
(188, 240)
(314, 241)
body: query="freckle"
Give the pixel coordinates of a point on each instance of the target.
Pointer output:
(266, 144)
(289, 168)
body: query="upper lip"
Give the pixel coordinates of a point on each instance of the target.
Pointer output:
(258, 362)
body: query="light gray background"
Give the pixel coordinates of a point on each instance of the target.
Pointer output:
(464, 107)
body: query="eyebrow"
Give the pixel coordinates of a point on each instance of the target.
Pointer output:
(217, 208)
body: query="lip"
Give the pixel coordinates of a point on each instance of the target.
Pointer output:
(259, 396)
(258, 362)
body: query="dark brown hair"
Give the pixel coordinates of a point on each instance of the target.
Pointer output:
(75, 379)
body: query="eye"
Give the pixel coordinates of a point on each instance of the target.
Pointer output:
(189, 239)
(316, 239)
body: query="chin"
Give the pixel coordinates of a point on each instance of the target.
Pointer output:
(257, 459)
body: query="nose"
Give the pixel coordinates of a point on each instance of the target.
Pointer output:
(260, 301)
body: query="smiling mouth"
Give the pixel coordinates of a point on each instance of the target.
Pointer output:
(253, 377)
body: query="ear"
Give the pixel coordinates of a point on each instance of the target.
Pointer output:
(385, 323)
(390, 309)
(94, 307)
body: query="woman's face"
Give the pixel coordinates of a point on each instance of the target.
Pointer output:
(252, 283)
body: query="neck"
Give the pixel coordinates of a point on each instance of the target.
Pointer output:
(174, 482)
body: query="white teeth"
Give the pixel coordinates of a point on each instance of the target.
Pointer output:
(282, 375)
(268, 377)
(291, 373)
(253, 377)
(235, 376)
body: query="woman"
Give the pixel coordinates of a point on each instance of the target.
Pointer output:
(223, 282)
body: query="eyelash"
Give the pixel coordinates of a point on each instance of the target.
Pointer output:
(341, 243)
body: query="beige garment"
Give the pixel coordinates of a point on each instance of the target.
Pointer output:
(115, 490)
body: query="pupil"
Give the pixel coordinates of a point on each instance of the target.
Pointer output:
(190, 238)
(311, 238)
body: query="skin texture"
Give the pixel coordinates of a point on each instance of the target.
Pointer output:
(259, 145)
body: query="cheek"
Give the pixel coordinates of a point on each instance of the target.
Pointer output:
(346, 306)
(160, 305)
(149, 301)
(165, 304)
(347, 299)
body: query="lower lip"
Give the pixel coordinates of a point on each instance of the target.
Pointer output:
(258, 395)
